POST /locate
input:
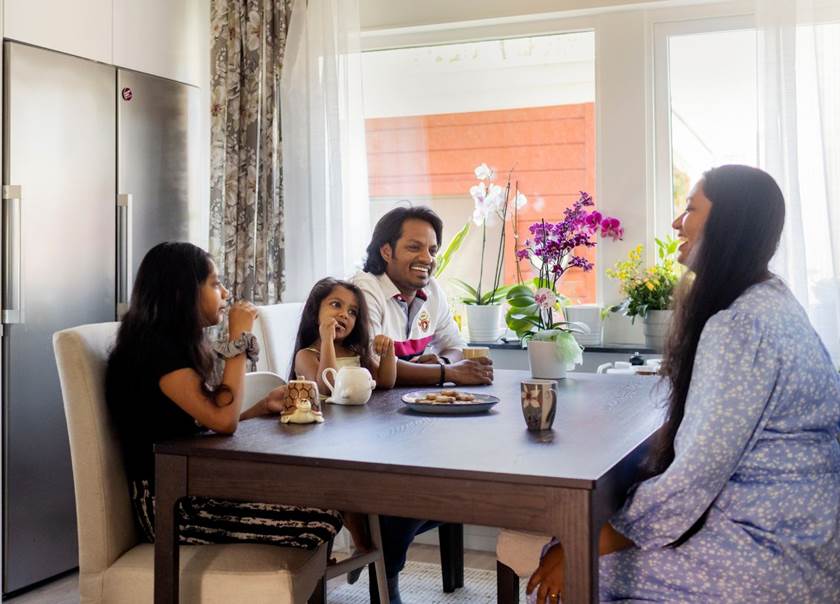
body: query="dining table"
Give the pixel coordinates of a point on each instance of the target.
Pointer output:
(472, 468)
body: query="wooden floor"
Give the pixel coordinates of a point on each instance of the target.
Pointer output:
(66, 589)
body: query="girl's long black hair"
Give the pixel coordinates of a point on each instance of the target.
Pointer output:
(739, 238)
(164, 313)
(357, 340)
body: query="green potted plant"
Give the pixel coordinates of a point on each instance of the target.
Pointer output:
(535, 312)
(648, 291)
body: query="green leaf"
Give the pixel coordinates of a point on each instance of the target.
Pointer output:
(453, 246)
(520, 291)
(495, 296)
(521, 301)
(518, 325)
(471, 295)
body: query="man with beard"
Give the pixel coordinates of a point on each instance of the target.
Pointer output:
(409, 306)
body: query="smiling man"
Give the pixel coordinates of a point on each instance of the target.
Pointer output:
(409, 306)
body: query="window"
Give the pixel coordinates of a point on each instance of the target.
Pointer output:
(708, 114)
(525, 105)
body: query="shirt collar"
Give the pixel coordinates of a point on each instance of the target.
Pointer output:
(391, 291)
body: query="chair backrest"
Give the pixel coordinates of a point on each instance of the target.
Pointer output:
(257, 385)
(277, 326)
(103, 506)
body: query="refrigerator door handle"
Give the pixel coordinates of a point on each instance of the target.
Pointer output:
(123, 253)
(12, 255)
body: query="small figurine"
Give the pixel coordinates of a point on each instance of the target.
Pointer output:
(302, 406)
(301, 413)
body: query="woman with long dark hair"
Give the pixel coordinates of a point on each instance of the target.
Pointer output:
(743, 499)
(159, 387)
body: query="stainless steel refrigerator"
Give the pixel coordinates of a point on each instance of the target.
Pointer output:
(97, 168)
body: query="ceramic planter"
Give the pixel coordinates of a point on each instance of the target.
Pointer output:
(484, 322)
(542, 357)
(656, 325)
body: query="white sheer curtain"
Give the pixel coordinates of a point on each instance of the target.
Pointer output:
(799, 144)
(324, 157)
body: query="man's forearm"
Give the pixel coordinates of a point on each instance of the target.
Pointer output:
(417, 374)
(453, 354)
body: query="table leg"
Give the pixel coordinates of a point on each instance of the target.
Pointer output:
(171, 485)
(575, 530)
(379, 563)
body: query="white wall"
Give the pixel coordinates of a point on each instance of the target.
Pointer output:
(161, 37)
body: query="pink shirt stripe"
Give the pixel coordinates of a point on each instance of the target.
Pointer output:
(411, 347)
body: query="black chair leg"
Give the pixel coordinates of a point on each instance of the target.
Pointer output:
(451, 538)
(507, 584)
(319, 596)
(372, 586)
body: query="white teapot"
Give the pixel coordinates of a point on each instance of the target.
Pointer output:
(350, 386)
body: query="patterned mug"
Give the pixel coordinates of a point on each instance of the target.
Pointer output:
(303, 390)
(539, 403)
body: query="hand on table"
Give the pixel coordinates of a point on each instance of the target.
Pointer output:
(550, 577)
(471, 372)
(277, 400)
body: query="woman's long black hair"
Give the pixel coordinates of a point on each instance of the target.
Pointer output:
(739, 238)
(357, 340)
(164, 313)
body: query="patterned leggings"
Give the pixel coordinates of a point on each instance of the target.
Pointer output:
(202, 521)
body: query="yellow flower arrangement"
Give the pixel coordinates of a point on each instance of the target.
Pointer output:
(650, 288)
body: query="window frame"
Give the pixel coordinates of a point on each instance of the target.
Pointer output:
(663, 214)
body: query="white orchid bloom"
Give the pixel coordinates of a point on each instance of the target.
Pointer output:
(521, 201)
(495, 197)
(483, 172)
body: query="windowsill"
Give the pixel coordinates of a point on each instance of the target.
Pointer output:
(606, 348)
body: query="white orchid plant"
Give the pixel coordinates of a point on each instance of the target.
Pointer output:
(491, 205)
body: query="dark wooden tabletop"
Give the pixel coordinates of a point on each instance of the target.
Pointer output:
(600, 419)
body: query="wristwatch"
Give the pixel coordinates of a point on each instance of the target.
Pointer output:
(442, 375)
(246, 343)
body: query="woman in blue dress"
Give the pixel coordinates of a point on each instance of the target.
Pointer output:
(743, 499)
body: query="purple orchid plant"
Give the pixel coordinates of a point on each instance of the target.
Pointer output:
(552, 249)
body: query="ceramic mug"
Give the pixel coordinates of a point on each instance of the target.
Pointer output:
(476, 352)
(303, 390)
(539, 403)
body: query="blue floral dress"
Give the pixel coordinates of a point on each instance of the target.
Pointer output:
(757, 463)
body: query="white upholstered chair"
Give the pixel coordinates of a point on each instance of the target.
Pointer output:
(114, 566)
(276, 328)
(517, 557)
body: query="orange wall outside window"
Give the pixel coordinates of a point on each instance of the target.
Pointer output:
(552, 151)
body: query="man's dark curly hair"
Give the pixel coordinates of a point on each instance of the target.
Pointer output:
(389, 230)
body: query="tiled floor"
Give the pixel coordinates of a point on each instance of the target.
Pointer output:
(66, 589)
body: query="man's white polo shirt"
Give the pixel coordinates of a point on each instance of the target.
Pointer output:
(424, 324)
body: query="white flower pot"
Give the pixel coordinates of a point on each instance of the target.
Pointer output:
(484, 322)
(656, 326)
(542, 356)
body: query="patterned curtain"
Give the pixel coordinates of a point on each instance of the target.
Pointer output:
(246, 205)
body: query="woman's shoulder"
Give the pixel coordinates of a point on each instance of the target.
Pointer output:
(769, 302)
(768, 314)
